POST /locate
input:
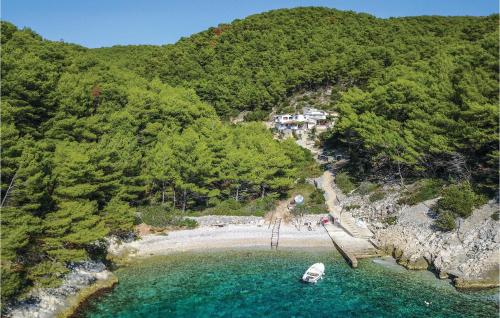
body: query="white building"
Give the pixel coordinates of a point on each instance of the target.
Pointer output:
(319, 116)
(292, 122)
(298, 123)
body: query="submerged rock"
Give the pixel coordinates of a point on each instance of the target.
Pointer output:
(468, 284)
(443, 275)
(420, 263)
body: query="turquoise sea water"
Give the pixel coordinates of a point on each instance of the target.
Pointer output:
(252, 283)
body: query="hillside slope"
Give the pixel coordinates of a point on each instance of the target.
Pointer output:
(91, 136)
(253, 63)
(87, 145)
(418, 96)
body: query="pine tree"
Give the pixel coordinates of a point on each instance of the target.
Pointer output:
(71, 229)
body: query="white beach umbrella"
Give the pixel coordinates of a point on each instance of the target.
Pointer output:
(299, 199)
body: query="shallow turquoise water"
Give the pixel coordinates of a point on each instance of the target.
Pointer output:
(266, 284)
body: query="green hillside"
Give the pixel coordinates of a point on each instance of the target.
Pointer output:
(90, 136)
(417, 94)
(255, 62)
(86, 144)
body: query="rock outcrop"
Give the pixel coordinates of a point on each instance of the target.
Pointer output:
(469, 255)
(84, 279)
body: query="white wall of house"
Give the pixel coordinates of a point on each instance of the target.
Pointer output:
(300, 122)
(291, 125)
(315, 114)
(285, 118)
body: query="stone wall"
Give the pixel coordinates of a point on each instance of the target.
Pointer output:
(209, 220)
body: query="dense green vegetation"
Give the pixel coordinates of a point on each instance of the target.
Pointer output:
(90, 136)
(314, 200)
(161, 217)
(345, 183)
(85, 144)
(432, 109)
(418, 96)
(315, 203)
(457, 200)
(257, 207)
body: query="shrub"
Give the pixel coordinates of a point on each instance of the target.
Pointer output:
(258, 207)
(426, 189)
(311, 170)
(391, 220)
(187, 223)
(315, 208)
(163, 216)
(298, 210)
(286, 109)
(309, 208)
(227, 207)
(445, 221)
(352, 207)
(304, 189)
(344, 182)
(12, 283)
(48, 273)
(367, 187)
(317, 196)
(480, 200)
(376, 196)
(257, 115)
(459, 200)
(496, 215)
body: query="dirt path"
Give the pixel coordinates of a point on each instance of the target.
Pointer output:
(325, 182)
(281, 211)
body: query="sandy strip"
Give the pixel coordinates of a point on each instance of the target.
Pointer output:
(230, 236)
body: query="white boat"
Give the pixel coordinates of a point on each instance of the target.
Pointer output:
(314, 273)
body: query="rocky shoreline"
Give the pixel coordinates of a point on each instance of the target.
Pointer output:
(84, 280)
(469, 255)
(83, 298)
(92, 278)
